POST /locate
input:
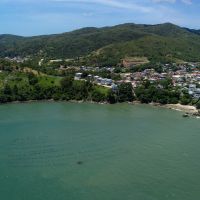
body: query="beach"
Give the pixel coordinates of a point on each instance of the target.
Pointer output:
(184, 108)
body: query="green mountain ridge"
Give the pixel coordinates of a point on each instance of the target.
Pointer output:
(108, 45)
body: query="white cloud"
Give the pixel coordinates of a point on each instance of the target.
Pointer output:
(173, 1)
(124, 4)
(187, 1)
(112, 3)
(160, 1)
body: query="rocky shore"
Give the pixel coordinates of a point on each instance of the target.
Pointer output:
(183, 108)
(189, 111)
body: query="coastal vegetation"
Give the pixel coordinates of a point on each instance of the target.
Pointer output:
(27, 86)
(21, 86)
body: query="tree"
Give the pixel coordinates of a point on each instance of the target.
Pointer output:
(112, 98)
(185, 100)
(166, 83)
(32, 79)
(125, 92)
(198, 105)
(7, 89)
(66, 83)
(98, 96)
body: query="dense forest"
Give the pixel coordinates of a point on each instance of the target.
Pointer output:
(108, 45)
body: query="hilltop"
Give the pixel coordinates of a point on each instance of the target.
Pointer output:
(109, 45)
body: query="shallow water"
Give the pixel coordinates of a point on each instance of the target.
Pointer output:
(60, 151)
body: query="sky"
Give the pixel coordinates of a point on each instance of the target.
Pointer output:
(39, 17)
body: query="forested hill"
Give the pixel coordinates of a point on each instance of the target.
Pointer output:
(152, 41)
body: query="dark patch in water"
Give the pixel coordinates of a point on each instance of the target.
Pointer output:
(79, 162)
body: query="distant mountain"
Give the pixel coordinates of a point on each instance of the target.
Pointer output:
(193, 31)
(109, 43)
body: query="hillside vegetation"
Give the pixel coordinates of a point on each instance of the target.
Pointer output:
(108, 45)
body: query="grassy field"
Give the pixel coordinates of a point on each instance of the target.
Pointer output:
(49, 80)
(21, 79)
(102, 90)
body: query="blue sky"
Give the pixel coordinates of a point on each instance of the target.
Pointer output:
(36, 17)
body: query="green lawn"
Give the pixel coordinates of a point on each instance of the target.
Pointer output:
(102, 89)
(49, 80)
(21, 79)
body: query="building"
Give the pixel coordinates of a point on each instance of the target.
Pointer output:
(78, 76)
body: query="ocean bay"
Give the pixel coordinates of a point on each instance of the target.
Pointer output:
(88, 151)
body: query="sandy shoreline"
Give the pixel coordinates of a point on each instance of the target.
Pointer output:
(183, 108)
(178, 107)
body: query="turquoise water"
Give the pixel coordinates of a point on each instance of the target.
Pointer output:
(63, 151)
